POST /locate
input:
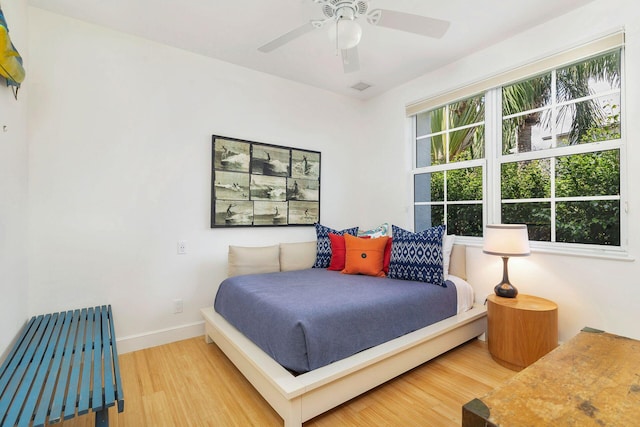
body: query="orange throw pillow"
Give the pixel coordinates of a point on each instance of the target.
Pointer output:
(364, 256)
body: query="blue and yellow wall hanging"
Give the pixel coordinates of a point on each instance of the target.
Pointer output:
(10, 60)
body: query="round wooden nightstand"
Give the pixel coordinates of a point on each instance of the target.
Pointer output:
(521, 330)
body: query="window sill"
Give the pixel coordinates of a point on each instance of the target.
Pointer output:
(611, 254)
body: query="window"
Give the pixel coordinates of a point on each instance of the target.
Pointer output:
(448, 178)
(553, 159)
(560, 161)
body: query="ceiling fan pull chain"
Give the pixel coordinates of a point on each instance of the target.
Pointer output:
(337, 41)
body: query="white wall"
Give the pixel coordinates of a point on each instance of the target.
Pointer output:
(120, 170)
(590, 292)
(13, 190)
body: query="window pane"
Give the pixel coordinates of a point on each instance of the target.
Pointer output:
(464, 184)
(466, 112)
(595, 75)
(596, 119)
(589, 121)
(430, 122)
(530, 179)
(590, 222)
(464, 220)
(536, 215)
(429, 187)
(590, 174)
(529, 132)
(438, 149)
(527, 95)
(430, 151)
(426, 216)
(466, 144)
(423, 152)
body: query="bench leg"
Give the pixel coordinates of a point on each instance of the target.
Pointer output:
(102, 418)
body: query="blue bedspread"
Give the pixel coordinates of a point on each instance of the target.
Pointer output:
(309, 318)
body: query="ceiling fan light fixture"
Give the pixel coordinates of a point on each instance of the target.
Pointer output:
(346, 33)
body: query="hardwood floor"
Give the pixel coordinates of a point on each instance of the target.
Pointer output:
(191, 383)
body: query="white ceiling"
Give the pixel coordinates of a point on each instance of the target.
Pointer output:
(232, 30)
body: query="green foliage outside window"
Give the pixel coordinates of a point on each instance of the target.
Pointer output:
(590, 174)
(590, 222)
(526, 180)
(594, 221)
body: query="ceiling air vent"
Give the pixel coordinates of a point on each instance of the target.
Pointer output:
(361, 86)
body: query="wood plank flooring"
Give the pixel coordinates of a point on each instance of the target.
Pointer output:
(191, 383)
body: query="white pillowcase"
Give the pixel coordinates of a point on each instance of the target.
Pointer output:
(447, 247)
(297, 256)
(253, 260)
(464, 292)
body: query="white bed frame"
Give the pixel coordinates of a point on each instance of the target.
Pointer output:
(299, 398)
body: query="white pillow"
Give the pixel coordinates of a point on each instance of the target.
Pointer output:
(464, 292)
(252, 260)
(297, 256)
(447, 247)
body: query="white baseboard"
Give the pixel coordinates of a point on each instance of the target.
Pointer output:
(159, 337)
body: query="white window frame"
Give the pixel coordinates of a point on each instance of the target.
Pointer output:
(493, 159)
(448, 166)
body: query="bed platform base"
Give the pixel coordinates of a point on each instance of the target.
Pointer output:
(299, 398)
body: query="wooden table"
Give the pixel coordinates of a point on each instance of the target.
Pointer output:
(591, 380)
(521, 330)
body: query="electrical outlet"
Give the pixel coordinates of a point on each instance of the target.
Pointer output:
(177, 306)
(182, 247)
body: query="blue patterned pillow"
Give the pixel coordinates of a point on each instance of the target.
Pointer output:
(417, 256)
(323, 255)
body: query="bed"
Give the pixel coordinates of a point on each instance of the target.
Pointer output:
(324, 384)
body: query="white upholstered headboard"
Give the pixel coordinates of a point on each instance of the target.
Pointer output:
(458, 263)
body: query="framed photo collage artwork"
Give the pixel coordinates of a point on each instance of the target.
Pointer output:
(256, 184)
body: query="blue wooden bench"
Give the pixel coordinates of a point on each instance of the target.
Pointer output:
(63, 365)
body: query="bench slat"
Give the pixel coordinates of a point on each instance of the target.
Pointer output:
(56, 406)
(14, 357)
(14, 367)
(74, 381)
(85, 385)
(57, 346)
(25, 372)
(109, 395)
(97, 402)
(116, 364)
(36, 371)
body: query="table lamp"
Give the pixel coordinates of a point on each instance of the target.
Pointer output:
(506, 240)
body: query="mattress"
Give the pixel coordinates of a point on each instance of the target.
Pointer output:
(310, 318)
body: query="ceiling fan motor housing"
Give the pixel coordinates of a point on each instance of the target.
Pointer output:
(345, 9)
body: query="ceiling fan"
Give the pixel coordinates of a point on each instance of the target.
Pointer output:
(346, 32)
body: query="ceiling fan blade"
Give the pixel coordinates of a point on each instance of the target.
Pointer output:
(350, 60)
(286, 38)
(422, 25)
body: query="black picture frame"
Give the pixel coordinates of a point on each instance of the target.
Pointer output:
(254, 184)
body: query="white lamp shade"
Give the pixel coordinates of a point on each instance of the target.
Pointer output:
(506, 240)
(348, 33)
